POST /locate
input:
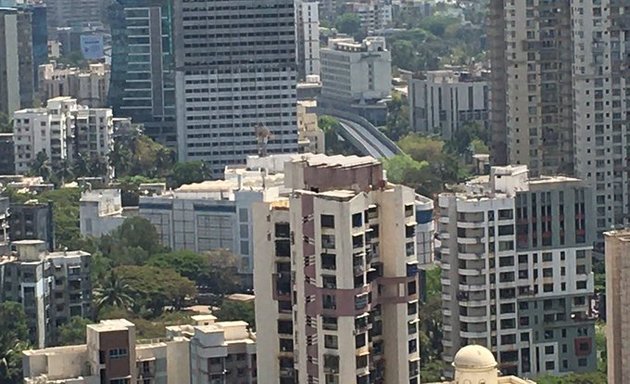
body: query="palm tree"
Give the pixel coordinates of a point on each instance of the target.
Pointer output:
(41, 165)
(63, 171)
(113, 292)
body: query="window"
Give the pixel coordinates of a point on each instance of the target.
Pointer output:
(580, 285)
(117, 353)
(330, 342)
(328, 241)
(550, 365)
(549, 350)
(359, 340)
(328, 221)
(357, 220)
(330, 302)
(329, 281)
(413, 346)
(547, 256)
(329, 261)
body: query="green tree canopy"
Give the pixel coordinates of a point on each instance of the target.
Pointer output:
(13, 340)
(189, 172)
(349, 23)
(237, 310)
(154, 288)
(137, 154)
(222, 277)
(134, 242)
(73, 332)
(189, 264)
(66, 220)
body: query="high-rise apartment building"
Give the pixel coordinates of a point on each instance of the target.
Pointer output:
(531, 54)
(375, 15)
(89, 87)
(63, 130)
(516, 271)
(442, 102)
(601, 82)
(143, 72)
(336, 275)
(52, 287)
(236, 79)
(16, 60)
(307, 37)
(618, 305)
(558, 89)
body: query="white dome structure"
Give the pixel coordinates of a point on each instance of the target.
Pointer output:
(475, 364)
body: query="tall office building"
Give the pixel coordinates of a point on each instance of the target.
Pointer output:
(336, 275)
(52, 287)
(618, 305)
(516, 271)
(235, 80)
(16, 60)
(307, 27)
(142, 72)
(559, 85)
(67, 13)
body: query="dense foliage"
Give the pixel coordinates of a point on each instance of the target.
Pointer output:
(13, 340)
(450, 36)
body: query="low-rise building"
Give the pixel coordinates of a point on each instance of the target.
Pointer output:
(441, 102)
(51, 286)
(206, 352)
(100, 212)
(213, 214)
(88, 86)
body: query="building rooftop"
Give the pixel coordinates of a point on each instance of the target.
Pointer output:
(620, 234)
(335, 161)
(111, 325)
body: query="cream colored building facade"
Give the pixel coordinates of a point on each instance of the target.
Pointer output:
(475, 364)
(207, 352)
(89, 86)
(337, 275)
(618, 305)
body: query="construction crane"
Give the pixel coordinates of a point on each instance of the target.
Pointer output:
(263, 134)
